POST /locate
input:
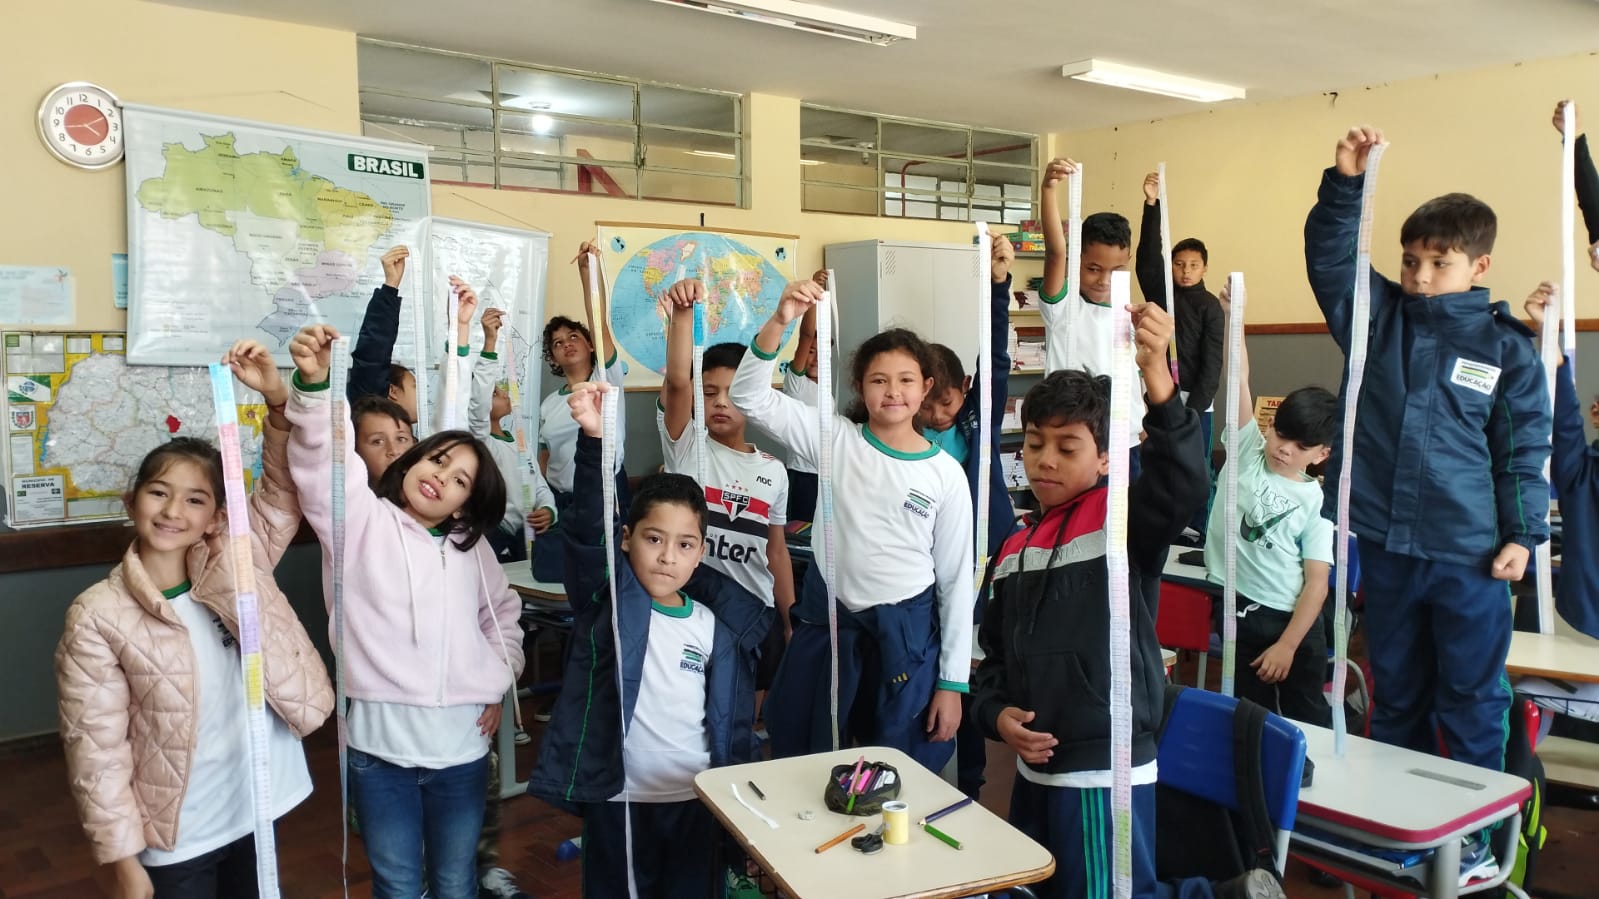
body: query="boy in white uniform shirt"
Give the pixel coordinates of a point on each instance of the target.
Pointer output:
(746, 491)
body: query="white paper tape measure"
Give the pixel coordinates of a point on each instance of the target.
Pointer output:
(526, 432)
(1359, 329)
(1229, 612)
(1568, 223)
(227, 415)
(339, 377)
(1165, 257)
(1121, 692)
(451, 371)
(985, 384)
(823, 543)
(701, 451)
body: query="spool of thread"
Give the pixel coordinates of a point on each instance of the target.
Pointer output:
(896, 823)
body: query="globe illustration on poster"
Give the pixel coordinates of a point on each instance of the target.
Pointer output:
(742, 289)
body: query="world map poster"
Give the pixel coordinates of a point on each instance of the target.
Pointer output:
(744, 273)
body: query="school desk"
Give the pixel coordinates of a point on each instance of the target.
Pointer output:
(1187, 575)
(1394, 798)
(544, 606)
(1556, 656)
(994, 855)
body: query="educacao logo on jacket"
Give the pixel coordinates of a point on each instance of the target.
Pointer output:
(1478, 376)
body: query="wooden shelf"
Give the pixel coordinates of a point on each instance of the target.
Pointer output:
(1035, 370)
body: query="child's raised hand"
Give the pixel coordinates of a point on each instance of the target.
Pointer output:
(312, 352)
(1152, 331)
(1541, 299)
(820, 276)
(1511, 563)
(585, 254)
(1560, 119)
(493, 320)
(1002, 255)
(685, 293)
(1225, 297)
(1151, 188)
(797, 297)
(253, 366)
(1354, 147)
(467, 298)
(586, 405)
(394, 265)
(1034, 747)
(1058, 170)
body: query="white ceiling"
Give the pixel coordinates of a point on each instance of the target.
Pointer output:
(991, 63)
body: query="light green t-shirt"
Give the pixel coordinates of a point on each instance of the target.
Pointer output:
(1280, 527)
(948, 440)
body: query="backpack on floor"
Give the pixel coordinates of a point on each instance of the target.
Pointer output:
(1521, 761)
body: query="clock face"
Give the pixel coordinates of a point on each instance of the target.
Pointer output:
(81, 124)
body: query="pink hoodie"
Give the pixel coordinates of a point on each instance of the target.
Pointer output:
(423, 625)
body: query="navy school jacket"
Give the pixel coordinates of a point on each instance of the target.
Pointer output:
(374, 346)
(1575, 468)
(1453, 425)
(580, 759)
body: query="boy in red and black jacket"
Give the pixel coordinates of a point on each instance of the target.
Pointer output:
(1043, 687)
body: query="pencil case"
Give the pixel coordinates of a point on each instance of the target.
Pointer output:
(882, 785)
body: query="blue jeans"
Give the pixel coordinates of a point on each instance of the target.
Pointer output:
(406, 810)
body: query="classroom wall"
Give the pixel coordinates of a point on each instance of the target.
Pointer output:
(1242, 177)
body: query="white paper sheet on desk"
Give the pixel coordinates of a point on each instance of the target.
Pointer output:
(36, 295)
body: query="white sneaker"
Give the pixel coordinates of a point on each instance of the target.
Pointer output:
(497, 883)
(1477, 862)
(522, 739)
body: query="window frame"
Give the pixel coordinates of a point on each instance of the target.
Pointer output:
(965, 201)
(557, 163)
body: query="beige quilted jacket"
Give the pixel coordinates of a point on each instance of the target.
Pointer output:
(126, 680)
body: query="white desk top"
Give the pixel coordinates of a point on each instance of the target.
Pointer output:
(1401, 795)
(520, 574)
(995, 854)
(1559, 656)
(1186, 575)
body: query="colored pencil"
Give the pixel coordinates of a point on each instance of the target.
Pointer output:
(844, 836)
(945, 810)
(763, 795)
(941, 835)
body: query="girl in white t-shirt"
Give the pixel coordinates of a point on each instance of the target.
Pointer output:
(903, 515)
(153, 713)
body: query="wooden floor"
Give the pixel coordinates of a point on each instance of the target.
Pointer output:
(43, 854)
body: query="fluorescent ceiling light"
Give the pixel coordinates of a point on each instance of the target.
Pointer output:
(1114, 74)
(542, 123)
(812, 162)
(807, 17)
(714, 154)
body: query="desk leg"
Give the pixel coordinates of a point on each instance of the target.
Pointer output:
(1446, 870)
(506, 742)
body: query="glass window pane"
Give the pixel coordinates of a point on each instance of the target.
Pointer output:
(920, 175)
(998, 146)
(1003, 180)
(422, 73)
(439, 124)
(844, 129)
(848, 200)
(686, 187)
(687, 109)
(538, 91)
(461, 168)
(548, 135)
(586, 178)
(923, 140)
(690, 150)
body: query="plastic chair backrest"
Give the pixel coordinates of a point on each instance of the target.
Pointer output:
(1196, 756)
(1354, 569)
(1183, 619)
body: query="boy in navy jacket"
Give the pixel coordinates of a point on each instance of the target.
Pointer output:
(688, 641)
(1452, 433)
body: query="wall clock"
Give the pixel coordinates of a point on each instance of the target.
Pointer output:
(81, 123)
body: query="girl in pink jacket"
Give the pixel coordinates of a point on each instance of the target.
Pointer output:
(432, 639)
(149, 679)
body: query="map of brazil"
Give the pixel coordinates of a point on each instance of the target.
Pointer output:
(244, 230)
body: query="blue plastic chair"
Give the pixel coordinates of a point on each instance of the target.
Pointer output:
(1196, 756)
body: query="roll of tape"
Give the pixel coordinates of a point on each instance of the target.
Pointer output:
(897, 821)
